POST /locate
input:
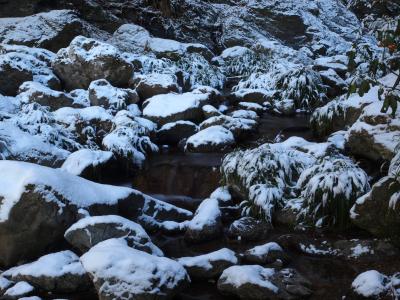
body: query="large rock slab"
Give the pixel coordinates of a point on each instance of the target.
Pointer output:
(51, 30)
(86, 60)
(38, 204)
(120, 271)
(59, 272)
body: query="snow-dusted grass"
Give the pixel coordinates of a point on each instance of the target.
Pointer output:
(329, 190)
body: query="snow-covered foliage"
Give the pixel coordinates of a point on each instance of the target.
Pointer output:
(197, 71)
(265, 175)
(329, 190)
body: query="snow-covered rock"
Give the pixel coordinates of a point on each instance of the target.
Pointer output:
(251, 106)
(149, 85)
(50, 30)
(90, 231)
(211, 139)
(244, 114)
(240, 127)
(371, 284)
(248, 228)
(378, 210)
(210, 111)
(255, 282)
(19, 290)
(86, 60)
(172, 107)
(90, 163)
(120, 271)
(40, 203)
(30, 92)
(59, 272)
(206, 223)
(19, 64)
(102, 93)
(172, 133)
(210, 265)
(265, 254)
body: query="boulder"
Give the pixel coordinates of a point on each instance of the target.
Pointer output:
(40, 203)
(90, 231)
(117, 269)
(244, 114)
(285, 107)
(4, 284)
(91, 164)
(249, 229)
(259, 96)
(172, 133)
(210, 265)
(30, 92)
(265, 254)
(102, 93)
(240, 127)
(50, 30)
(211, 139)
(251, 106)
(377, 211)
(149, 85)
(59, 272)
(210, 111)
(168, 108)
(86, 60)
(253, 282)
(18, 291)
(206, 223)
(371, 285)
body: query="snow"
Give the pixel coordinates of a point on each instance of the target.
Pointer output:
(238, 276)
(250, 106)
(221, 194)
(214, 135)
(162, 106)
(136, 231)
(51, 265)
(370, 283)
(78, 161)
(4, 283)
(206, 214)
(234, 52)
(263, 250)
(205, 261)
(69, 115)
(19, 289)
(245, 114)
(22, 174)
(131, 271)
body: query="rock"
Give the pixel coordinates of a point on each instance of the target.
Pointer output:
(371, 285)
(210, 111)
(90, 231)
(377, 211)
(130, 38)
(86, 60)
(240, 127)
(102, 93)
(206, 223)
(211, 139)
(265, 254)
(4, 284)
(35, 92)
(90, 124)
(251, 106)
(50, 30)
(210, 265)
(19, 290)
(168, 108)
(172, 133)
(244, 114)
(258, 96)
(336, 85)
(153, 84)
(59, 272)
(117, 269)
(337, 63)
(39, 204)
(91, 164)
(249, 229)
(255, 282)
